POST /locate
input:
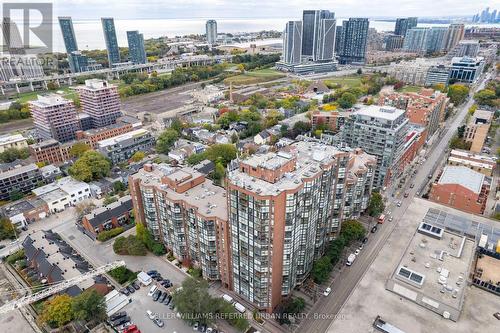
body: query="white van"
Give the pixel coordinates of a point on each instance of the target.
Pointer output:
(351, 259)
(228, 298)
(152, 290)
(239, 307)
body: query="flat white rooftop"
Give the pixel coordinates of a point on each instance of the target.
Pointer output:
(381, 112)
(464, 176)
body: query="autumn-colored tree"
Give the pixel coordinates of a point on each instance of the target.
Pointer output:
(138, 156)
(90, 166)
(57, 311)
(78, 149)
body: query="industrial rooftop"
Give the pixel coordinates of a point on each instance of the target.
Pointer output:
(434, 269)
(463, 176)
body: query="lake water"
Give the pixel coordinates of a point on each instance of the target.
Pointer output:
(90, 36)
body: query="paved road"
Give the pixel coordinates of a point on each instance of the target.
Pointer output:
(16, 125)
(346, 281)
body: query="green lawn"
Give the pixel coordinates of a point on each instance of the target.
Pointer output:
(350, 81)
(32, 95)
(258, 76)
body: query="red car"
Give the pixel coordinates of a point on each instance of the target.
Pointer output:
(131, 329)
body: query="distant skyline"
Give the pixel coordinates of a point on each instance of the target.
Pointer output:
(185, 9)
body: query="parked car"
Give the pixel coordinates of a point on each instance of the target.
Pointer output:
(172, 305)
(156, 295)
(131, 289)
(406, 195)
(135, 285)
(327, 291)
(399, 203)
(412, 185)
(121, 321)
(168, 299)
(117, 315)
(364, 240)
(360, 247)
(150, 314)
(125, 291)
(357, 252)
(151, 272)
(163, 297)
(158, 322)
(195, 326)
(374, 229)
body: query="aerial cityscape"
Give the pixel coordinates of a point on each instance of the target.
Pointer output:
(257, 167)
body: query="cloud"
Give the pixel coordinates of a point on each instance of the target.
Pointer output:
(123, 9)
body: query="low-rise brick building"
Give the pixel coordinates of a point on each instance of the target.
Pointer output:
(114, 215)
(461, 188)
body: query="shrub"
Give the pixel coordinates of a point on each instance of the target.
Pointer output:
(108, 234)
(122, 274)
(129, 246)
(18, 255)
(195, 272)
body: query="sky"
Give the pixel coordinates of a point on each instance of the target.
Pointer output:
(185, 9)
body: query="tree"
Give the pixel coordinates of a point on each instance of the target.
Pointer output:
(89, 305)
(176, 125)
(194, 301)
(321, 269)
(122, 274)
(90, 166)
(57, 311)
(352, 230)
(196, 158)
(441, 87)
(472, 109)
(12, 154)
(78, 149)
(6, 229)
(15, 194)
(138, 156)
(376, 205)
(289, 306)
(485, 97)
(458, 93)
(129, 246)
(118, 186)
(241, 68)
(359, 71)
(52, 85)
(144, 236)
(166, 140)
(219, 172)
(223, 153)
(347, 100)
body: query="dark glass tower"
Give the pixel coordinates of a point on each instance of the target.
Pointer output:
(68, 33)
(352, 46)
(405, 24)
(108, 26)
(136, 51)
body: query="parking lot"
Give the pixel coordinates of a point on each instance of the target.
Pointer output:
(141, 302)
